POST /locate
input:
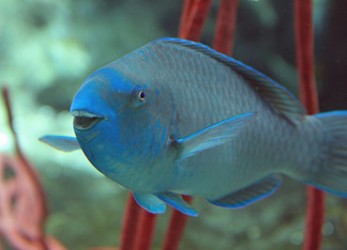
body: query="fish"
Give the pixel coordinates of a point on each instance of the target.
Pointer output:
(176, 117)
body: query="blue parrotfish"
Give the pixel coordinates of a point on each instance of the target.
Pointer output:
(176, 117)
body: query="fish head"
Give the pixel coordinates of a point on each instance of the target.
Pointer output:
(120, 125)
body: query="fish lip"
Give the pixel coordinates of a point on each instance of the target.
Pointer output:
(84, 120)
(82, 113)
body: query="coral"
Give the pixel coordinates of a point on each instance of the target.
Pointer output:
(23, 209)
(309, 97)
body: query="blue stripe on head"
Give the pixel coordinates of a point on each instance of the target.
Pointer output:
(101, 90)
(118, 82)
(88, 98)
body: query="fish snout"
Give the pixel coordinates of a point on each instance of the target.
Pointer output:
(84, 120)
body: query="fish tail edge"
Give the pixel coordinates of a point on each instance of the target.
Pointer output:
(331, 174)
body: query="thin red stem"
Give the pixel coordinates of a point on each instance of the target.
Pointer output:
(194, 18)
(308, 94)
(187, 5)
(226, 26)
(6, 96)
(174, 233)
(145, 231)
(130, 219)
(305, 57)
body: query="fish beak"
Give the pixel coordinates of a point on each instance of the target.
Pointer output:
(84, 120)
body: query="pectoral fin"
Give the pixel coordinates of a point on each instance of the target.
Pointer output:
(62, 143)
(150, 203)
(213, 135)
(177, 202)
(250, 194)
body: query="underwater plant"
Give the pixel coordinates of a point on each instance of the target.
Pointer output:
(23, 208)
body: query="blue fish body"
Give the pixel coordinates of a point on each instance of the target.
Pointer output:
(176, 117)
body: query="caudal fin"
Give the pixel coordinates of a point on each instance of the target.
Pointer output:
(331, 175)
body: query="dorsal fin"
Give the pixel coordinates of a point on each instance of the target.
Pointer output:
(279, 98)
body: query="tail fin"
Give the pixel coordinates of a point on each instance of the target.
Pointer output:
(332, 172)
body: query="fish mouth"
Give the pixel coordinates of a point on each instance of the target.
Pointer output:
(84, 120)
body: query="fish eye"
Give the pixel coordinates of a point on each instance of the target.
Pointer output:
(138, 97)
(84, 122)
(141, 95)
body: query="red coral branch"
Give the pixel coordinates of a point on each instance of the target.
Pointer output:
(6, 96)
(308, 94)
(23, 209)
(132, 211)
(226, 26)
(176, 227)
(21, 219)
(186, 10)
(304, 52)
(145, 231)
(195, 13)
